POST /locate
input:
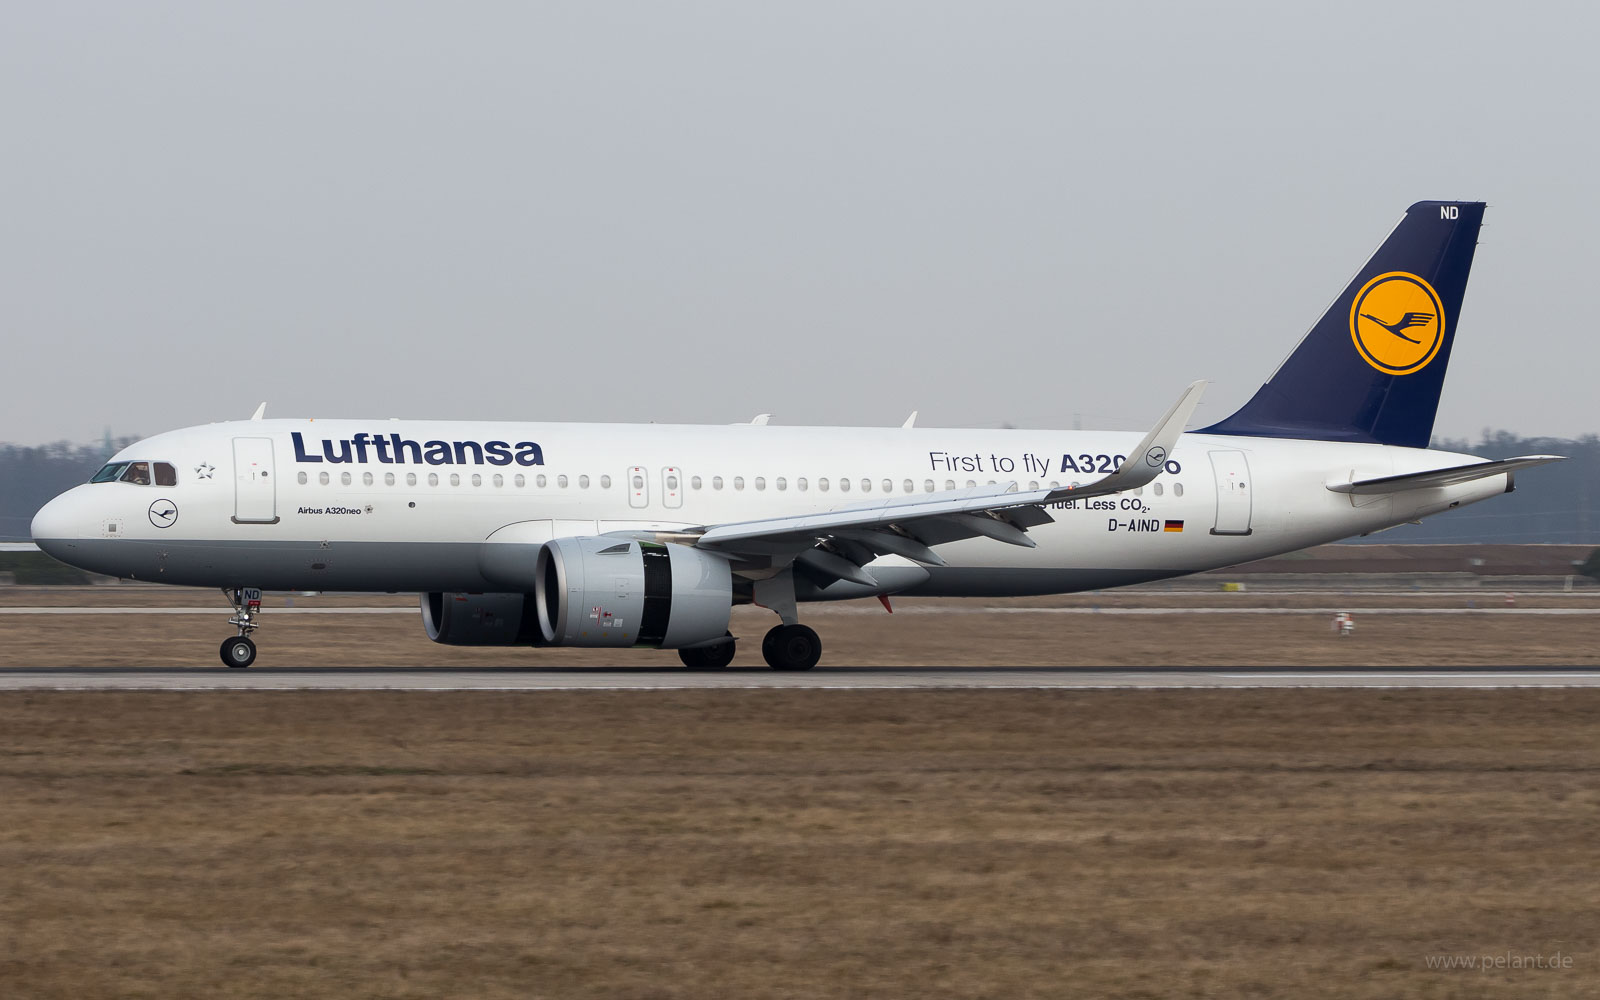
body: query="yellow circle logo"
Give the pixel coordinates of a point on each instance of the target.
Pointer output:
(1397, 323)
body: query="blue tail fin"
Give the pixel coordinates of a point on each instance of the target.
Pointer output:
(1372, 367)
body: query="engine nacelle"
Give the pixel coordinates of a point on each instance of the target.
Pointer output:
(595, 591)
(480, 619)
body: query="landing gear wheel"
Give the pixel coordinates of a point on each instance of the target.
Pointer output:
(791, 647)
(239, 651)
(709, 657)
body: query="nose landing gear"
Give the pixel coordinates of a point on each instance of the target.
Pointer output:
(240, 651)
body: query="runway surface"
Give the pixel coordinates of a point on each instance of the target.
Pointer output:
(875, 611)
(822, 678)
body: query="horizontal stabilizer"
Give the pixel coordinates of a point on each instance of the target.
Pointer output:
(1453, 476)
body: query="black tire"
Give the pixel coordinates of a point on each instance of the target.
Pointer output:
(238, 652)
(791, 647)
(709, 657)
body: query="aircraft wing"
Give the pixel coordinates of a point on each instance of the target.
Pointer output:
(1453, 476)
(908, 526)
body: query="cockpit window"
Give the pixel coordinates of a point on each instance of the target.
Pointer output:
(138, 473)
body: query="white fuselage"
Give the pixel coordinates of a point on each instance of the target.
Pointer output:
(253, 505)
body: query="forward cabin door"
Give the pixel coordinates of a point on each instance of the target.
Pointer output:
(638, 487)
(255, 490)
(1233, 493)
(671, 487)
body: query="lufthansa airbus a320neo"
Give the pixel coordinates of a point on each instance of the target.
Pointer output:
(624, 535)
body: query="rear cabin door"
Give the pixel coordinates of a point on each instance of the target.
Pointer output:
(255, 490)
(1233, 493)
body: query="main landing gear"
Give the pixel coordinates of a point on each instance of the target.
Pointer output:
(240, 651)
(708, 657)
(791, 647)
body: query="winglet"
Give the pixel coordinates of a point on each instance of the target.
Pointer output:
(261, 411)
(911, 421)
(1147, 459)
(761, 419)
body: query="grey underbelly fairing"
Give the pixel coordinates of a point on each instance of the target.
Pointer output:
(281, 565)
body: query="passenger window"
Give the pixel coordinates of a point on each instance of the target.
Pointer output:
(1032, 487)
(1139, 492)
(411, 479)
(433, 479)
(1177, 489)
(388, 479)
(866, 486)
(801, 484)
(519, 480)
(583, 482)
(301, 478)
(971, 483)
(927, 486)
(694, 482)
(605, 482)
(910, 486)
(366, 479)
(322, 478)
(477, 480)
(455, 479)
(888, 486)
(638, 483)
(761, 482)
(499, 480)
(1054, 485)
(822, 484)
(844, 485)
(138, 474)
(738, 482)
(716, 482)
(561, 482)
(166, 475)
(540, 481)
(1157, 488)
(672, 482)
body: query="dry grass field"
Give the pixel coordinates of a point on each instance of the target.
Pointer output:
(972, 632)
(957, 844)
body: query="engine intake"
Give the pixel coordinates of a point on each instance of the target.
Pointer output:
(593, 591)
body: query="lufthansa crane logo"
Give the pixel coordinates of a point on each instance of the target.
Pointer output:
(1397, 323)
(163, 513)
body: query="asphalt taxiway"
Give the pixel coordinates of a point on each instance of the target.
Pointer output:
(822, 678)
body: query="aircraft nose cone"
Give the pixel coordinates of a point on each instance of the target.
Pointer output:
(54, 526)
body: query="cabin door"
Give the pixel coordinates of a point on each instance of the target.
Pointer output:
(1233, 493)
(255, 489)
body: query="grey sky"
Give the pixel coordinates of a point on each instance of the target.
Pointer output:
(833, 212)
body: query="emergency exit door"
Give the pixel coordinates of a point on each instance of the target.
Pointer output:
(1233, 493)
(255, 490)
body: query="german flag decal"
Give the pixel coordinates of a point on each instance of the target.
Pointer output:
(1173, 526)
